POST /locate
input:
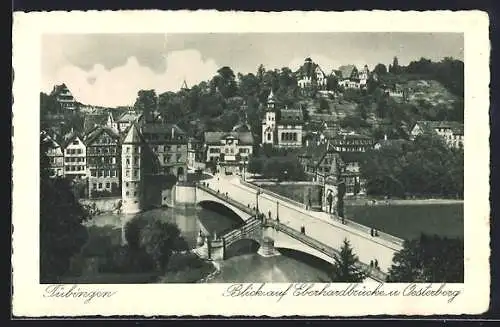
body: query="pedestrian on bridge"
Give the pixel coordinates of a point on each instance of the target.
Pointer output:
(371, 232)
(302, 229)
(376, 232)
(270, 214)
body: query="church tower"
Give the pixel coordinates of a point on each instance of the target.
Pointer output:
(269, 123)
(132, 183)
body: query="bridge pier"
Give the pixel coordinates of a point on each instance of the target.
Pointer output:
(267, 248)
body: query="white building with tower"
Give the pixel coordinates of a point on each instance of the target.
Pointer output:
(285, 131)
(132, 150)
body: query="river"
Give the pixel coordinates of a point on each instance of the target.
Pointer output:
(244, 263)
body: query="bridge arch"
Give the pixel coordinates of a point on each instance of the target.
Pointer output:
(242, 246)
(222, 209)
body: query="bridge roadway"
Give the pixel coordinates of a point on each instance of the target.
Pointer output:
(318, 225)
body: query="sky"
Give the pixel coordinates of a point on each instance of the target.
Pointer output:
(109, 69)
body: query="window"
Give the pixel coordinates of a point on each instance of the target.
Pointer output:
(127, 162)
(100, 185)
(113, 173)
(135, 193)
(108, 185)
(126, 193)
(101, 173)
(113, 160)
(136, 160)
(127, 149)
(136, 173)
(127, 173)
(94, 186)
(75, 142)
(269, 136)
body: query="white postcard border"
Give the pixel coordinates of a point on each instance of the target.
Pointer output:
(207, 299)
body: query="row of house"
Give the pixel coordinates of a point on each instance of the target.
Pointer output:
(96, 154)
(349, 76)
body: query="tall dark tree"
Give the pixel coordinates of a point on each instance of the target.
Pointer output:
(380, 69)
(225, 82)
(395, 68)
(344, 269)
(146, 103)
(62, 233)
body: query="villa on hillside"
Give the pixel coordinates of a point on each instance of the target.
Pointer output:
(351, 78)
(451, 132)
(285, 131)
(64, 97)
(310, 74)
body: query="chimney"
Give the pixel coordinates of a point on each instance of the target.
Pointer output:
(173, 133)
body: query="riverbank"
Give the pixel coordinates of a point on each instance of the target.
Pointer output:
(378, 202)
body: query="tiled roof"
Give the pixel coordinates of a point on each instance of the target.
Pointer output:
(353, 156)
(158, 128)
(129, 117)
(346, 71)
(133, 135)
(242, 128)
(90, 121)
(291, 116)
(245, 138)
(69, 137)
(98, 131)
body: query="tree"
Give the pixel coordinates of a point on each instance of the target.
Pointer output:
(344, 269)
(62, 233)
(380, 69)
(160, 239)
(324, 107)
(429, 259)
(146, 103)
(225, 82)
(395, 69)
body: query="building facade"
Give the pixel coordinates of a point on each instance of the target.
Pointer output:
(310, 74)
(285, 132)
(55, 155)
(75, 157)
(169, 144)
(103, 161)
(64, 97)
(229, 151)
(132, 150)
(451, 132)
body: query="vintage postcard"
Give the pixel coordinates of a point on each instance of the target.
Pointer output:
(258, 164)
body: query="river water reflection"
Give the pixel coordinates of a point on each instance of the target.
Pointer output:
(244, 264)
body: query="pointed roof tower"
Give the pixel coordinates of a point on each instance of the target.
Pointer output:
(133, 135)
(184, 85)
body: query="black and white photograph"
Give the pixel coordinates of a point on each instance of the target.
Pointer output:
(252, 158)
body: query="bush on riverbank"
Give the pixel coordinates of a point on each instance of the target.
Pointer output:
(186, 268)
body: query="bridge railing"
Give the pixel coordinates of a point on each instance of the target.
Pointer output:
(325, 249)
(244, 230)
(348, 222)
(226, 198)
(268, 192)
